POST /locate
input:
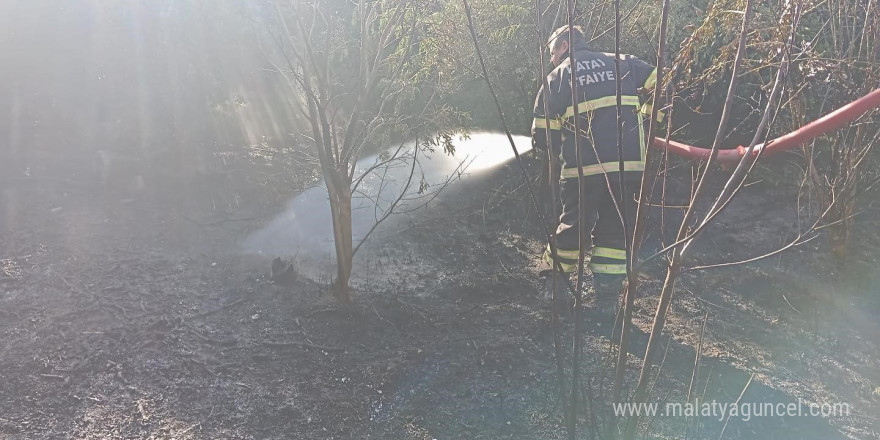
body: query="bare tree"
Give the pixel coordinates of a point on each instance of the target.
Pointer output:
(352, 66)
(696, 221)
(838, 67)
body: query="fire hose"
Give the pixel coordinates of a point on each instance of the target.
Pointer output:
(825, 124)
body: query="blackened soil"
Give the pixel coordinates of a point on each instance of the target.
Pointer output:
(135, 317)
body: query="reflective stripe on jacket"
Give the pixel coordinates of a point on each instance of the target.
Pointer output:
(597, 88)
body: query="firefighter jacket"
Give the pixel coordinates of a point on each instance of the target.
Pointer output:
(596, 80)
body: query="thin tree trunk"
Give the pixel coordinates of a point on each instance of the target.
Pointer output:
(675, 264)
(340, 207)
(839, 233)
(641, 213)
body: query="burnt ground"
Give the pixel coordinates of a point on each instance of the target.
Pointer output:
(137, 317)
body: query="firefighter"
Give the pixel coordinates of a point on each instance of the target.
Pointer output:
(596, 85)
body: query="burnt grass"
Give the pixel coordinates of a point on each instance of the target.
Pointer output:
(136, 317)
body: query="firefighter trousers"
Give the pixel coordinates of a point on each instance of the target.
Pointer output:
(606, 243)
